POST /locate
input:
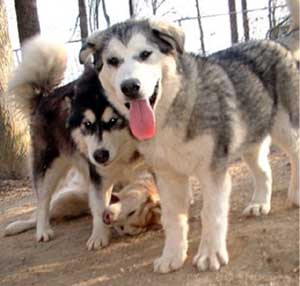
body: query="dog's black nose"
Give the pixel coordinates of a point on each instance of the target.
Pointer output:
(101, 156)
(131, 88)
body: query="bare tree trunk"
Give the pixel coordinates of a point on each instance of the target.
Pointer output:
(233, 22)
(245, 20)
(131, 8)
(106, 16)
(5, 49)
(83, 20)
(155, 4)
(12, 146)
(27, 18)
(270, 14)
(274, 13)
(200, 28)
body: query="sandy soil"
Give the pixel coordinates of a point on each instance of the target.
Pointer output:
(264, 251)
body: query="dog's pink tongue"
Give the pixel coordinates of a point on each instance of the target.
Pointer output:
(141, 119)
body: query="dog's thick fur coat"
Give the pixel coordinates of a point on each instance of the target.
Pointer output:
(207, 112)
(71, 126)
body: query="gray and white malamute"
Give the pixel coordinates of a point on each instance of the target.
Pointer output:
(193, 115)
(71, 126)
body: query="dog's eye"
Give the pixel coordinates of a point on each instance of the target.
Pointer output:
(113, 61)
(145, 55)
(88, 125)
(131, 213)
(113, 121)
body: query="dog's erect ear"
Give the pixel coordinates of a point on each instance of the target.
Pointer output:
(171, 35)
(91, 48)
(86, 52)
(114, 199)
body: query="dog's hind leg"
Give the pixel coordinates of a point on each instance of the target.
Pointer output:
(175, 200)
(45, 185)
(257, 161)
(212, 252)
(287, 137)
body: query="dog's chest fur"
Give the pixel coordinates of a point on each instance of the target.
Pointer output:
(168, 150)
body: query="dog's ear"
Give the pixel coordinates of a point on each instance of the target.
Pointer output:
(92, 49)
(171, 36)
(155, 215)
(86, 52)
(114, 199)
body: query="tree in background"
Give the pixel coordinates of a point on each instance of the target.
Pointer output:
(131, 8)
(106, 16)
(200, 28)
(233, 21)
(93, 14)
(155, 5)
(83, 20)
(27, 19)
(245, 20)
(13, 147)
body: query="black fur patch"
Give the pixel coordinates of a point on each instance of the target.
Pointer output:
(94, 176)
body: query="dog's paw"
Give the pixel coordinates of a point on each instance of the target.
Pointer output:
(98, 240)
(211, 259)
(257, 209)
(168, 263)
(44, 235)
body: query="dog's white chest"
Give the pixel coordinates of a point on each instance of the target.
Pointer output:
(168, 150)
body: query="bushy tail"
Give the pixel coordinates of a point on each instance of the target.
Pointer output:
(41, 70)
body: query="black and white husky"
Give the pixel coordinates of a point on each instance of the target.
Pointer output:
(193, 115)
(71, 126)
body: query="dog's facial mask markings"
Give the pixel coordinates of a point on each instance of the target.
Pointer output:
(132, 68)
(136, 79)
(109, 116)
(88, 125)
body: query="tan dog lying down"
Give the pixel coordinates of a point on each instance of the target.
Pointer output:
(131, 211)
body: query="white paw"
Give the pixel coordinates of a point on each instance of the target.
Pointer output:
(45, 234)
(98, 239)
(210, 258)
(168, 263)
(256, 209)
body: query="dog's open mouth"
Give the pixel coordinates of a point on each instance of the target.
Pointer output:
(152, 99)
(141, 116)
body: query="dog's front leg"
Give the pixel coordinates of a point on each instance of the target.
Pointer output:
(212, 252)
(175, 199)
(99, 197)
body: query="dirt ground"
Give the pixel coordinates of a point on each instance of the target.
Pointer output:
(264, 251)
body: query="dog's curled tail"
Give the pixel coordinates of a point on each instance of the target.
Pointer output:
(42, 69)
(69, 203)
